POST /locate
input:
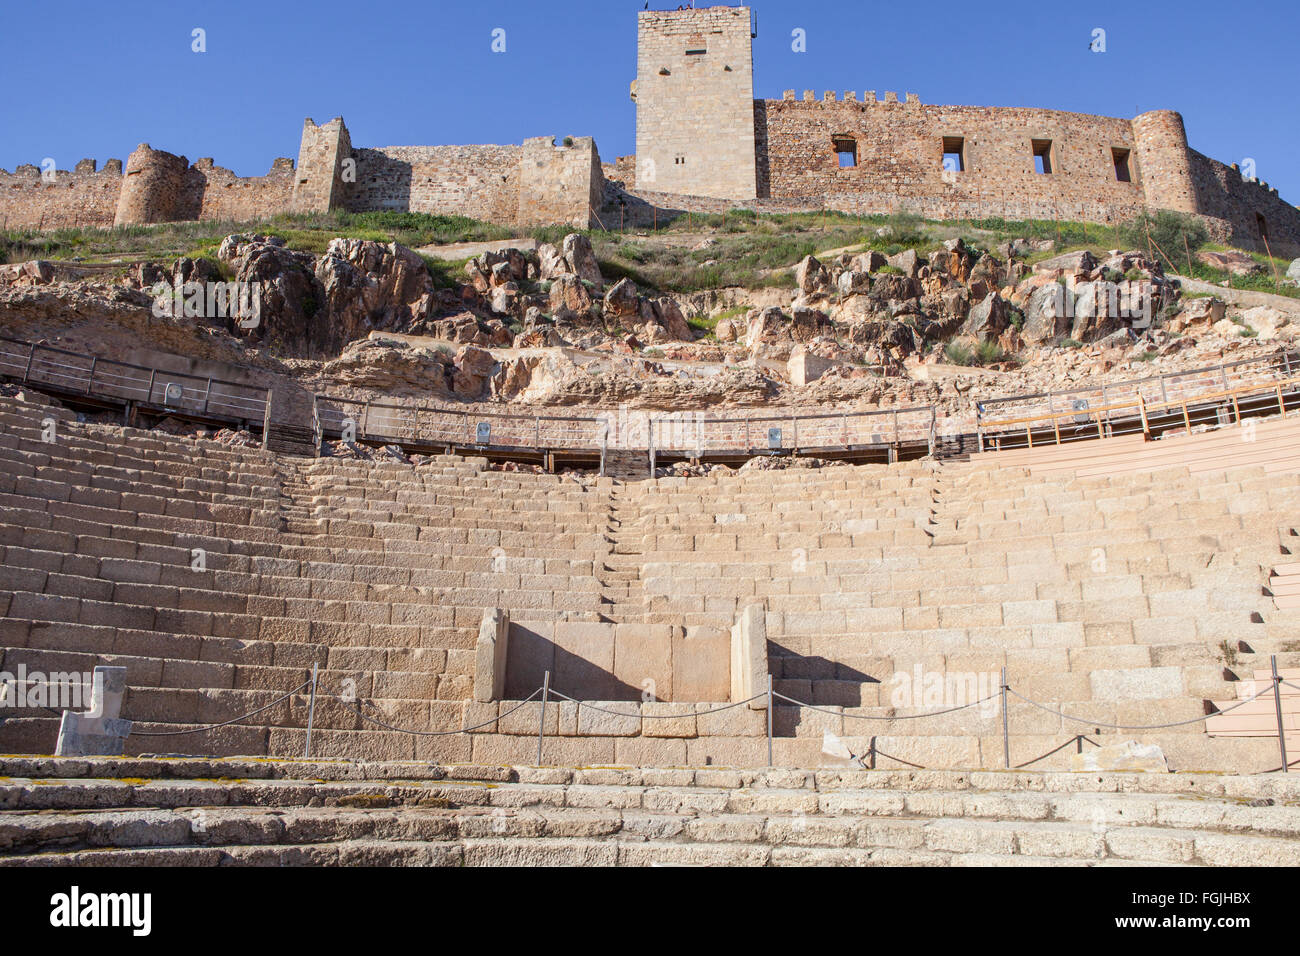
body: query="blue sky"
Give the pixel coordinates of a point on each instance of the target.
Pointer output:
(93, 79)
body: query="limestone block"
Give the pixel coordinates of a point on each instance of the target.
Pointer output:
(99, 731)
(1128, 756)
(1153, 683)
(490, 655)
(749, 670)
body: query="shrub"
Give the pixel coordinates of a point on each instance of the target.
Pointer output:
(986, 353)
(957, 353)
(1167, 229)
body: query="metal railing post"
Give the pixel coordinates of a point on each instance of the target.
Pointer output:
(541, 721)
(31, 354)
(1277, 704)
(90, 382)
(266, 420)
(1006, 735)
(651, 428)
(769, 719)
(311, 710)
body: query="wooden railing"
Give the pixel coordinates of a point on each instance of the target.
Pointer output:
(1133, 415)
(74, 373)
(1114, 408)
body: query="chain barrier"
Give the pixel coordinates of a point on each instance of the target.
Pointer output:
(224, 723)
(772, 696)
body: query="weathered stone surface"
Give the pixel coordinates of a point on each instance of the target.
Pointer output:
(811, 277)
(1265, 321)
(622, 299)
(1128, 756)
(987, 319)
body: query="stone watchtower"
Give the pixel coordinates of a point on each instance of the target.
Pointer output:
(694, 96)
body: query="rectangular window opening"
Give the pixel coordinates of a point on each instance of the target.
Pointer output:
(846, 148)
(1042, 156)
(696, 51)
(1262, 224)
(1122, 174)
(954, 154)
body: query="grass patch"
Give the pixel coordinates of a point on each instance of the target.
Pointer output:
(304, 233)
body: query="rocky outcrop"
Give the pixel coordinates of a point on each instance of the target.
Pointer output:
(316, 306)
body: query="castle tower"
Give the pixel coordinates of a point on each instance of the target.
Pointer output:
(695, 103)
(1163, 162)
(152, 188)
(320, 181)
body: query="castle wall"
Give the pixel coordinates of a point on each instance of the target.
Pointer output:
(154, 188)
(1222, 193)
(218, 194)
(320, 183)
(83, 196)
(900, 153)
(481, 182)
(559, 184)
(694, 94)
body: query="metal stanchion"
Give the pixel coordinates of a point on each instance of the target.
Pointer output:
(1277, 703)
(769, 719)
(311, 710)
(1006, 737)
(541, 721)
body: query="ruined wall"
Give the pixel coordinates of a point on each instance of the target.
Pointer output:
(481, 182)
(221, 195)
(154, 188)
(319, 185)
(163, 187)
(559, 183)
(900, 146)
(694, 94)
(1222, 193)
(82, 196)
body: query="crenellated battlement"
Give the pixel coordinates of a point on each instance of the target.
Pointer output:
(702, 136)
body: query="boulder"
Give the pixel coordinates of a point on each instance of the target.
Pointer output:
(1293, 271)
(582, 259)
(1234, 263)
(473, 367)
(1071, 263)
(1205, 310)
(907, 262)
(669, 315)
(811, 276)
(622, 300)
(804, 367)
(1046, 315)
(894, 288)
(766, 327)
(369, 286)
(726, 330)
(551, 262)
(568, 293)
(1096, 311)
(807, 324)
(853, 282)
(987, 319)
(1265, 321)
(868, 262)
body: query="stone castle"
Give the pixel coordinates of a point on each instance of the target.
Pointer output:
(705, 144)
